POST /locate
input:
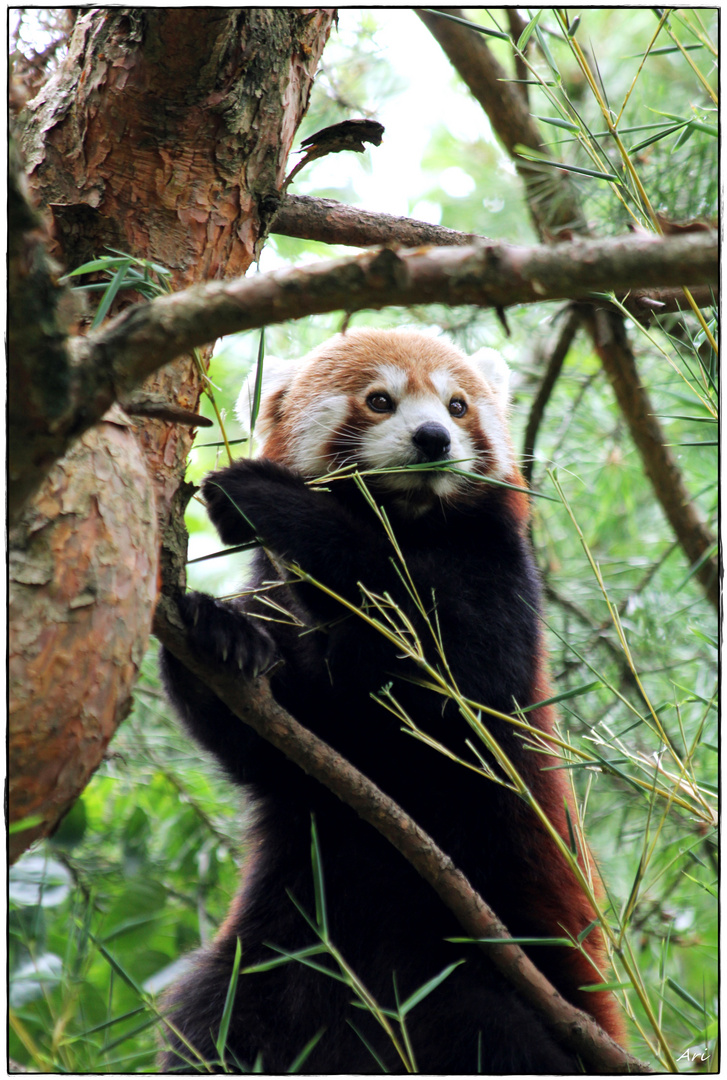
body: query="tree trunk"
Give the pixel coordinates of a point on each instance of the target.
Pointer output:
(83, 579)
(164, 134)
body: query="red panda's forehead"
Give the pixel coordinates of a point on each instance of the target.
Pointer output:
(417, 366)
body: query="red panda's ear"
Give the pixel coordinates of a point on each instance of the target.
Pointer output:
(277, 375)
(493, 369)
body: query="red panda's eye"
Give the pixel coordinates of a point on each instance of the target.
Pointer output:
(457, 407)
(380, 402)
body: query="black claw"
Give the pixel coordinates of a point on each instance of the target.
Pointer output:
(226, 634)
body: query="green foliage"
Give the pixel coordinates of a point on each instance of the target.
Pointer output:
(144, 867)
(101, 914)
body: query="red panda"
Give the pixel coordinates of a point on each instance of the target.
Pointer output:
(425, 427)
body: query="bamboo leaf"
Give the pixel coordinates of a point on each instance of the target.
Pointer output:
(257, 391)
(105, 263)
(300, 1060)
(111, 292)
(686, 996)
(712, 890)
(130, 924)
(657, 137)
(571, 831)
(513, 941)
(221, 1043)
(150, 1022)
(427, 988)
(685, 135)
(704, 637)
(664, 49)
(527, 32)
(117, 967)
(565, 696)
(708, 129)
(112, 1022)
(546, 53)
(584, 933)
(691, 419)
(320, 896)
(280, 961)
(695, 567)
(542, 159)
(368, 1046)
(556, 122)
(466, 22)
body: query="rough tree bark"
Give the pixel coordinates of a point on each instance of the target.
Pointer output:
(332, 222)
(164, 133)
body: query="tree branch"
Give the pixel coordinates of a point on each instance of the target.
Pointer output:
(335, 223)
(108, 364)
(550, 194)
(331, 222)
(146, 336)
(40, 394)
(550, 377)
(254, 704)
(612, 345)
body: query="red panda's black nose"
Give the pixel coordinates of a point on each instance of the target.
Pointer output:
(432, 440)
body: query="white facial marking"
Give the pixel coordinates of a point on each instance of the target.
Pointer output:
(443, 382)
(501, 459)
(313, 430)
(389, 444)
(391, 378)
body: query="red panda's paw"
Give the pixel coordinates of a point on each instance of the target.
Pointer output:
(227, 636)
(243, 496)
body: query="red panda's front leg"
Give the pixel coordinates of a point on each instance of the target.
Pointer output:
(225, 635)
(261, 500)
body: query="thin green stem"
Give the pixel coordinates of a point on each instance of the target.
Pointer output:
(662, 20)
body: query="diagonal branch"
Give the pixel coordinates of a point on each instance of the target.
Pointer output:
(698, 543)
(336, 223)
(146, 336)
(254, 704)
(551, 196)
(552, 370)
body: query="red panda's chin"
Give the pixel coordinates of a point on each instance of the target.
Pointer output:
(416, 490)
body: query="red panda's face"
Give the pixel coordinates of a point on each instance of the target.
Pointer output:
(385, 400)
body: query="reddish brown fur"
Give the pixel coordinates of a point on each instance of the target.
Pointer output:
(349, 364)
